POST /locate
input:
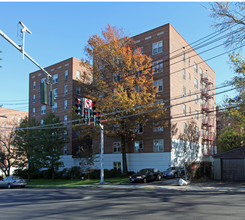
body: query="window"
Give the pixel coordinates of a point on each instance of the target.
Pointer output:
(189, 61)
(65, 119)
(55, 93)
(55, 79)
(190, 110)
(189, 76)
(197, 115)
(65, 104)
(54, 107)
(33, 111)
(158, 145)
(184, 91)
(43, 109)
(65, 89)
(34, 85)
(78, 90)
(197, 132)
(196, 99)
(185, 128)
(183, 56)
(195, 68)
(138, 146)
(159, 84)
(78, 74)
(196, 83)
(183, 72)
(184, 109)
(66, 74)
(201, 72)
(65, 150)
(117, 147)
(41, 122)
(157, 127)
(158, 66)
(33, 98)
(43, 80)
(117, 165)
(157, 47)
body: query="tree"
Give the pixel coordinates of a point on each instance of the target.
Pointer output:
(231, 16)
(229, 139)
(27, 145)
(41, 146)
(52, 140)
(122, 85)
(8, 157)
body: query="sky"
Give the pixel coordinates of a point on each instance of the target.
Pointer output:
(60, 30)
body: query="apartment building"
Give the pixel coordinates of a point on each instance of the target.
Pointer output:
(65, 83)
(186, 85)
(9, 120)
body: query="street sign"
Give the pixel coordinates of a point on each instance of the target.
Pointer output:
(87, 103)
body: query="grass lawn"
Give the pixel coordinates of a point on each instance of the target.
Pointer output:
(64, 182)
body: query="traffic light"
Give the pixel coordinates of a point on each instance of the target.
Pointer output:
(86, 117)
(92, 110)
(51, 98)
(79, 106)
(96, 118)
(43, 93)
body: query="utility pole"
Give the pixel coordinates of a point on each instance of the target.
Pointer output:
(101, 154)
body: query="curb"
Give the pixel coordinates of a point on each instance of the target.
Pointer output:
(178, 188)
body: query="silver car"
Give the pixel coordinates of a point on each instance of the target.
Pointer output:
(12, 181)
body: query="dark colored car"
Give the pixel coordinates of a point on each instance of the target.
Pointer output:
(1, 178)
(12, 181)
(146, 175)
(174, 172)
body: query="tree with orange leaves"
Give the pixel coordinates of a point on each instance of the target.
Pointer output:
(122, 86)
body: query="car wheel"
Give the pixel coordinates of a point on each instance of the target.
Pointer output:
(159, 177)
(145, 180)
(175, 175)
(9, 186)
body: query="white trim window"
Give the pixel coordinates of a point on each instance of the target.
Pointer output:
(158, 84)
(117, 147)
(185, 128)
(138, 146)
(78, 74)
(44, 80)
(55, 79)
(157, 47)
(183, 73)
(65, 104)
(65, 89)
(196, 99)
(195, 68)
(55, 93)
(183, 56)
(158, 145)
(65, 119)
(157, 128)
(184, 109)
(33, 112)
(41, 122)
(158, 66)
(33, 98)
(43, 109)
(197, 115)
(184, 91)
(34, 85)
(196, 83)
(78, 90)
(54, 107)
(66, 74)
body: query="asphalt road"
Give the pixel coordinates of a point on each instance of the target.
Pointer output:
(97, 203)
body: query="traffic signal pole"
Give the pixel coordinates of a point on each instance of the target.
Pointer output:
(101, 154)
(22, 51)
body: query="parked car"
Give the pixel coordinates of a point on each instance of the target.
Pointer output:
(146, 175)
(1, 178)
(12, 181)
(174, 172)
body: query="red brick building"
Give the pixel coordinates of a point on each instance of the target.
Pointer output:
(185, 84)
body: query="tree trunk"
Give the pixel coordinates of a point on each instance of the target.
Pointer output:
(124, 155)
